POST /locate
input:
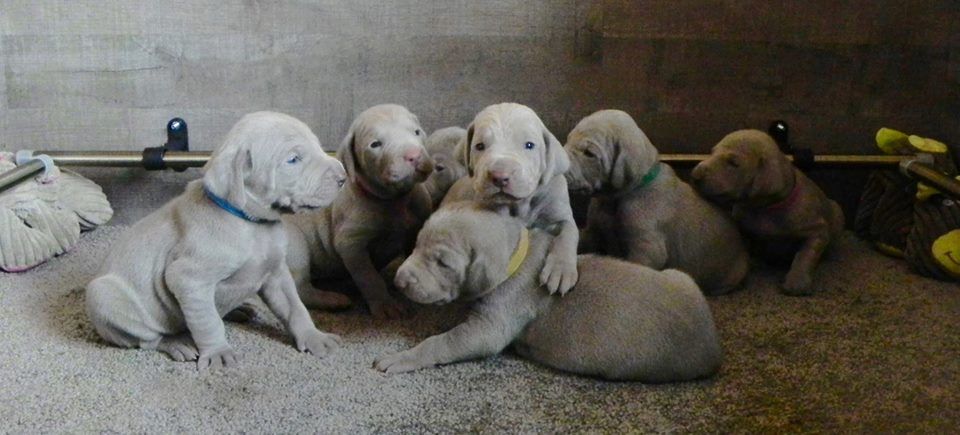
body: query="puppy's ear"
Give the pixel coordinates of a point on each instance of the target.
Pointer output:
(263, 172)
(556, 161)
(464, 155)
(347, 154)
(625, 167)
(773, 173)
(227, 170)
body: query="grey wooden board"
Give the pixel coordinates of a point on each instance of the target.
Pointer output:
(109, 74)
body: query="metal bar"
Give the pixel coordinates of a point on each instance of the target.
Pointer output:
(125, 159)
(192, 159)
(12, 177)
(928, 174)
(861, 161)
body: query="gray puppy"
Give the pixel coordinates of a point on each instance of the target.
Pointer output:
(622, 321)
(642, 212)
(166, 284)
(444, 148)
(771, 199)
(376, 216)
(516, 167)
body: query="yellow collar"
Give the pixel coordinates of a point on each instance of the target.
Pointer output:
(520, 253)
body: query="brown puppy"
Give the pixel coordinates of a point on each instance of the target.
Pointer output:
(771, 199)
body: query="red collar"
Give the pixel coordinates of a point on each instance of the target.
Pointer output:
(787, 202)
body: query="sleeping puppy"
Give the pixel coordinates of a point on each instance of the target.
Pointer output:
(622, 321)
(166, 284)
(771, 199)
(642, 212)
(442, 145)
(516, 166)
(376, 216)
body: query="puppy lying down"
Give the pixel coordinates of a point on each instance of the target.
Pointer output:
(772, 200)
(622, 321)
(166, 284)
(642, 212)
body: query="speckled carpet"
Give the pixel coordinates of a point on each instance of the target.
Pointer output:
(878, 349)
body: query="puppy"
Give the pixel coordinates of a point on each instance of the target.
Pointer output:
(516, 166)
(166, 284)
(771, 199)
(443, 145)
(642, 212)
(376, 216)
(622, 321)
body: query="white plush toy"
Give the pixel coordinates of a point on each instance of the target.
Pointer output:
(43, 217)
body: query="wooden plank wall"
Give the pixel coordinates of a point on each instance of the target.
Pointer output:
(107, 74)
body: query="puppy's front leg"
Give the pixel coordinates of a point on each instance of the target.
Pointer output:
(193, 283)
(357, 261)
(280, 294)
(800, 276)
(479, 336)
(560, 267)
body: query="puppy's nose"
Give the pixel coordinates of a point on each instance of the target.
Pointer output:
(499, 178)
(412, 156)
(404, 279)
(697, 173)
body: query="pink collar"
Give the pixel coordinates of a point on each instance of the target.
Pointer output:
(787, 202)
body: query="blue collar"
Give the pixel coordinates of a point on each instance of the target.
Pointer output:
(232, 209)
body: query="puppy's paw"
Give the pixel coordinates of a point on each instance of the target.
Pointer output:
(319, 343)
(388, 309)
(223, 357)
(798, 284)
(400, 362)
(558, 274)
(179, 347)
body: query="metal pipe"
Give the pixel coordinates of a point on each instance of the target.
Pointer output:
(190, 159)
(20, 173)
(859, 161)
(928, 174)
(126, 159)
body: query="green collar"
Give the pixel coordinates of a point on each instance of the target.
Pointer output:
(651, 175)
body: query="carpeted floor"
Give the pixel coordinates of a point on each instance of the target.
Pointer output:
(877, 350)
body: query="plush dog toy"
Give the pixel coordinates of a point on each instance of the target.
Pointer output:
(43, 217)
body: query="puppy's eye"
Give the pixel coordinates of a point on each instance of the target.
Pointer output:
(529, 145)
(479, 146)
(417, 132)
(589, 154)
(376, 144)
(733, 163)
(292, 160)
(439, 167)
(442, 263)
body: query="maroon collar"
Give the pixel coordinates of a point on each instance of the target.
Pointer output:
(367, 191)
(787, 202)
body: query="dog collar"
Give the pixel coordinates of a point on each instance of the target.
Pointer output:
(232, 209)
(650, 175)
(787, 202)
(520, 254)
